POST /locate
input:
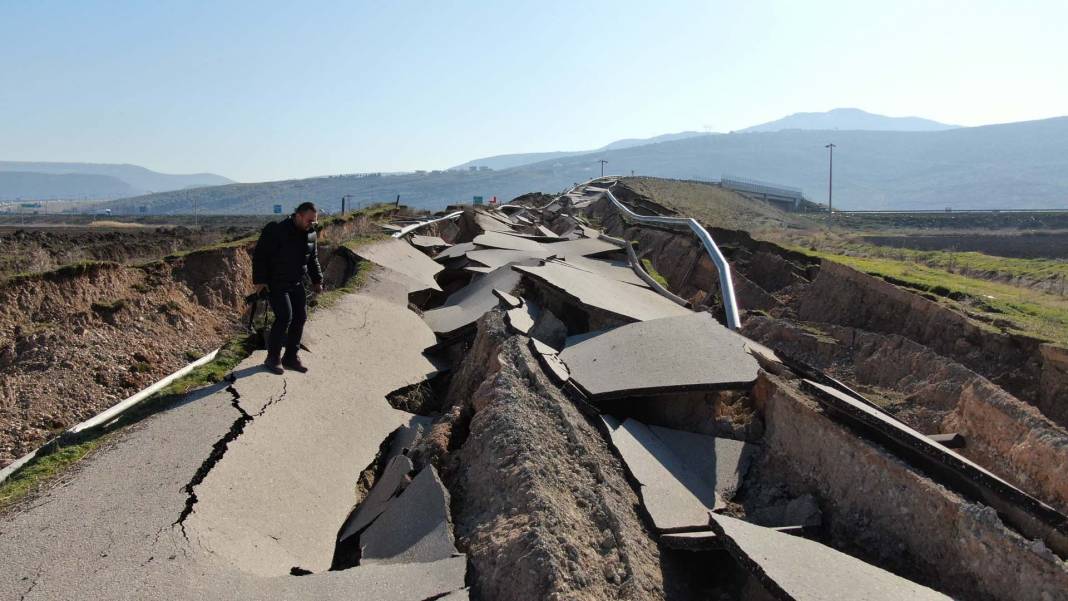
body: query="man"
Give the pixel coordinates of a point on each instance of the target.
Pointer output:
(284, 254)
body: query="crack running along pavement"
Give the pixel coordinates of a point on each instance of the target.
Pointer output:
(220, 447)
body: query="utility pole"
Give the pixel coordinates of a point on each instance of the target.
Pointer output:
(196, 217)
(830, 178)
(603, 163)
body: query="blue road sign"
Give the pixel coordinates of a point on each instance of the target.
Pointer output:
(278, 209)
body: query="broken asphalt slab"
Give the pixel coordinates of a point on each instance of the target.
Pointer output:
(385, 488)
(463, 307)
(625, 300)
(795, 569)
(584, 247)
(676, 498)
(673, 354)
(722, 462)
(428, 242)
(497, 257)
(276, 499)
(507, 242)
(402, 257)
(415, 526)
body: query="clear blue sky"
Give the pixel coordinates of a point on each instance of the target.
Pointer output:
(272, 90)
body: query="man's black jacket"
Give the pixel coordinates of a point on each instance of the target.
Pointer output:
(284, 254)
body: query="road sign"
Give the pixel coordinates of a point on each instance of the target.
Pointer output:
(144, 209)
(477, 200)
(277, 209)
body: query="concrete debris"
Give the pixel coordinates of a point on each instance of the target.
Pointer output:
(585, 247)
(507, 242)
(393, 479)
(624, 300)
(496, 257)
(676, 498)
(463, 308)
(522, 319)
(550, 361)
(455, 251)
(415, 527)
(509, 300)
(722, 462)
(405, 259)
(428, 242)
(673, 354)
(797, 569)
(617, 269)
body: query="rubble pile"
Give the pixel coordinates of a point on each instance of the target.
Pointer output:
(600, 436)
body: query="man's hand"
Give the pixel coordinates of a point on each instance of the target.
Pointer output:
(317, 287)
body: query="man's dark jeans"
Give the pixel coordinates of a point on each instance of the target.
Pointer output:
(290, 313)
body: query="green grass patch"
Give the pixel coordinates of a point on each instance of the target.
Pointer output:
(1026, 311)
(653, 273)
(42, 469)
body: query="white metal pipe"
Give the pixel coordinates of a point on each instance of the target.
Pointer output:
(411, 228)
(112, 413)
(726, 285)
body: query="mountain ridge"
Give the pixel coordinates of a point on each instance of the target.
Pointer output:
(1016, 165)
(848, 119)
(139, 179)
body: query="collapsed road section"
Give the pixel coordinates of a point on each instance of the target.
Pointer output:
(726, 445)
(550, 400)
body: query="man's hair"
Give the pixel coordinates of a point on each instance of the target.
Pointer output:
(306, 206)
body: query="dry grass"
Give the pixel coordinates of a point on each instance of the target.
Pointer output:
(716, 206)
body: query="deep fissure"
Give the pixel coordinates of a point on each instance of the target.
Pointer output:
(218, 450)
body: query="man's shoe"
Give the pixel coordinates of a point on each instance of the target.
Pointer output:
(294, 364)
(274, 366)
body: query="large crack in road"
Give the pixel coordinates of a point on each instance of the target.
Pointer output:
(218, 450)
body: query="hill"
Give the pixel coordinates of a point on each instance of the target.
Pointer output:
(22, 185)
(138, 180)
(849, 118)
(1015, 165)
(507, 161)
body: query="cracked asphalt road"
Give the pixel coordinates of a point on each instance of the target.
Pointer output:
(272, 469)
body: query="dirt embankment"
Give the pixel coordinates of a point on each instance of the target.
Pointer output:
(879, 509)
(37, 250)
(533, 483)
(76, 340)
(937, 369)
(934, 395)
(787, 284)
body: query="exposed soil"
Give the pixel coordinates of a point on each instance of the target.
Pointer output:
(76, 340)
(30, 250)
(513, 436)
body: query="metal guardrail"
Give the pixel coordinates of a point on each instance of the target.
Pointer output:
(726, 285)
(411, 228)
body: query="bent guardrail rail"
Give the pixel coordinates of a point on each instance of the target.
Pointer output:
(726, 285)
(411, 228)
